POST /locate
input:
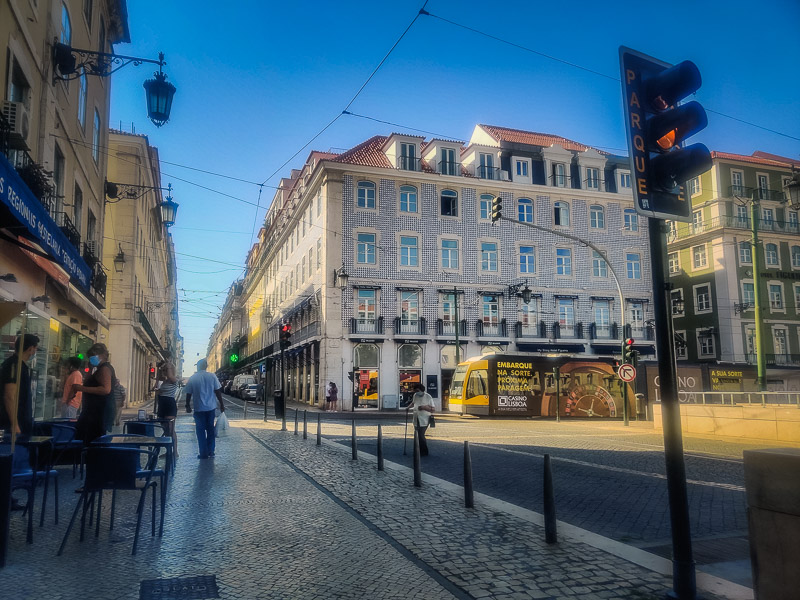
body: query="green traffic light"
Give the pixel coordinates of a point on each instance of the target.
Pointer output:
(80, 356)
(234, 358)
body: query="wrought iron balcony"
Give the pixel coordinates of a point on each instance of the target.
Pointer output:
(645, 333)
(90, 252)
(740, 191)
(408, 163)
(775, 360)
(448, 328)
(410, 326)
(603, 332)
(69, 230)
(684, 230)
(574, 332)
(99, 280)
(449, 167)
(485, 172)
(774, 195)
(487, 329)
(530, 330)
(369, 325)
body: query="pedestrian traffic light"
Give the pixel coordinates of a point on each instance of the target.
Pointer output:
(630, 354)
(656, 127)
(497, 209)
(286, 335)
(234, 358)
(152, 371)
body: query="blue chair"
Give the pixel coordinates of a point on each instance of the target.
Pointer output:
(64, 442)
(114, 469)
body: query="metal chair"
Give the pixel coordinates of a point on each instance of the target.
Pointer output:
(114, 469)
(64, 443)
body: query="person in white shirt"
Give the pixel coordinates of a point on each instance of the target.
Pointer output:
(207, 391)
(423, 409)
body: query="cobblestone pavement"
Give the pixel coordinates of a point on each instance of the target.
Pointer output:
(275, 516)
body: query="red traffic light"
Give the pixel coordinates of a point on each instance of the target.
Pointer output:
(287, 328)
(630, 342)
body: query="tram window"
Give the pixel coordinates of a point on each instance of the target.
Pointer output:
(477, 384)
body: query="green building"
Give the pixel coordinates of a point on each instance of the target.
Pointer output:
(711, 269)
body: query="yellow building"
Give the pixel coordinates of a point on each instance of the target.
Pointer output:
(142, 298)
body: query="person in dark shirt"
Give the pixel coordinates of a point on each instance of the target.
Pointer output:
(27, 344)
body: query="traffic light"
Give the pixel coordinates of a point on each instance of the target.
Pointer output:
(286, 335)
(656, 127)
(234, 358)
(497, 209)
(629, 355)
(152, 371)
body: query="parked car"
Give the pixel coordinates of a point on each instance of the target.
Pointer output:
(250, 392)
(240, 382)
(226, 387)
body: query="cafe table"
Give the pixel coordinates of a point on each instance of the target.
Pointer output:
(167, 424)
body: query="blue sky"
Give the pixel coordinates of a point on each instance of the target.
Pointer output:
(257, 79)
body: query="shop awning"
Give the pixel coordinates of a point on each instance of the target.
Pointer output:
(550, 347)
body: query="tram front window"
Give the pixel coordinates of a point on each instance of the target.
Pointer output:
(457, 385)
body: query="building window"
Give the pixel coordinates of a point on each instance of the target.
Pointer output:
(449, 202)
(779, 336)
(448, 164)
(408, 157)
(702, 298)
(450, 254)
(66, 26)
(748, 293)
(797, 296)
(319, 253)
(491, 310)
(624, 180)
(737, 183)
(767, 219)
(529, 314)
(319, 202)
(776, 296)
(486, 168)
(597, 217)
(408, 198)
(676, 298)
(409, 311)
(77, 207)
(566, 316)
(599, 265)
(365, 254)
(791, 221)
(96, 138)
(561, 214)
(409, 251)
(449, 310)
(633, 265)
(563, 261)
(522, 168)
(680, 344)
(82, 101)
(488, 256)
(694, 186)
(310, 261)
(527, 260)
(706, 339)
(485, 205)
(742, 216)
(366, 309)
(745, 253)
(699, 258)
(560, 175)
(602, 318)
(771, 255)
(637, 316)
(674, 263)
(59, 169)
(796, 257)
(630, 220)
(763, 187)
(366, 194)
(525, 210)
(302, 277)
(592, 179)
(697, 221)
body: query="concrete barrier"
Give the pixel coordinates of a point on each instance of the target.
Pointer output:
(776, 423)
(773, 514)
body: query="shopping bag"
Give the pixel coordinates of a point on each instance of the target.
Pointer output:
(221, 427)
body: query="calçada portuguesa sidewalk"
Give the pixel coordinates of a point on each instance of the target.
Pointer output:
(276, 516)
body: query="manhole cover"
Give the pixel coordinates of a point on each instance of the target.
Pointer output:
(179, 588)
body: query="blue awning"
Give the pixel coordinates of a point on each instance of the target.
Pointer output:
(550, 347)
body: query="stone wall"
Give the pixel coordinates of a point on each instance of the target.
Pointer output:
(775, 423)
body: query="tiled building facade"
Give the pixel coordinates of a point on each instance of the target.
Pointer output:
(409, 222)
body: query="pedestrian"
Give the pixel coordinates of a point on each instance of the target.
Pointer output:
(332, 397)
(18, 412)
(166, 403)
(98, 404)
(70, 399)
(204, 387)
(423, 411)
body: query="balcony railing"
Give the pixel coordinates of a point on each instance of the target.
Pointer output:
(690, 229)
(69, 229)
(408, 163)
(530, 330)
(776, 360)
(742, 191)
(568, 331)
(447, 167)
(90, 253)
(485, 329)
(603, 332)
(646, 333)
(100, 280)
(486, 172)
(774, 195)
(410, 326)
(449, 328)
(359, 326)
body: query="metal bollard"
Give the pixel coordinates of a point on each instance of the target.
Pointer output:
(245, 410)
(319, 429)
(469, 499)
(354, 442)
(283, 420)
(295, 421)
(417, 466)
(380, 448)
(305, 424)
(550, 534)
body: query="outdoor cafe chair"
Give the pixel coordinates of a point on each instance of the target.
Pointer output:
(114, 469)
(64, 443)
(23, 477)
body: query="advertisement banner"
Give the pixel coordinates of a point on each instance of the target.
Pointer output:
(514, 389)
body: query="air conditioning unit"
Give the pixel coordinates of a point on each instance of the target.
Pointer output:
(19, 121)
(504, 176)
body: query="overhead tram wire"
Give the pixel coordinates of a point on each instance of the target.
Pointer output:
(588, 70)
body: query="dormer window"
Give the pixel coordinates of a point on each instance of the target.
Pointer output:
(486, 168)
(408, 160)
(624, 181)
(592, 179)
(448, 164)
(560, 175)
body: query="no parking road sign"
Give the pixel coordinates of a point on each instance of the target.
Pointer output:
(627, 373)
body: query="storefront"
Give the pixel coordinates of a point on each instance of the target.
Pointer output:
(409, 362)
(366, 361)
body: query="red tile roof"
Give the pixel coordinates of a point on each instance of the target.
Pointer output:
(366, 154)
(749, 159)
(518, 136)
(792, 161)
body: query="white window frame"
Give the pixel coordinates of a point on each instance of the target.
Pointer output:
(367, 185)
(704, 265)
(404, 191)
(697, 309)
(681, 311)
(772, 307)
(560, 179)
(623, 177)
(409, 253)
(709, 336)
(597, 216)
(526, 162)
(777, 264)
(741, 185)
(745, 245)
(742, 215)
(633, 266)
(747, 298)
(529, 263)
(448, 195)
(559, 208)
(674, 266)
(488, 260)
(697, 221)
(759, 175)
(785, 331)
(565, 265)
(450, 252)
(526, 204)
(681, 351)
(794, 255)
(768, 218)
(694, 187)
(484, 201)
(356, 250)
(599, 266)
(630, 220)
(592, 178)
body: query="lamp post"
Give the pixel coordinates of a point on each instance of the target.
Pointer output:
(168, 208)
(119, 260)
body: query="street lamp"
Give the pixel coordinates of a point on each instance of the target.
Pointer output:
(119, 260)
(340, 278)
(525, 293)
(71, 63)
(169, 208)
(792, 188)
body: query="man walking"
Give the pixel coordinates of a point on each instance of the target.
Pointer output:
(207, 391)
(423, 409)
(14, 412)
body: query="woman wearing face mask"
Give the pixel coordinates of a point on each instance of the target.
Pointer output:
(96, 391)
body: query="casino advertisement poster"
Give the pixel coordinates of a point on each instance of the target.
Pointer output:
(587, 390)
(516, 393)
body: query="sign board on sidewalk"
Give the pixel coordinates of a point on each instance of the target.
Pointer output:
(627, 373)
